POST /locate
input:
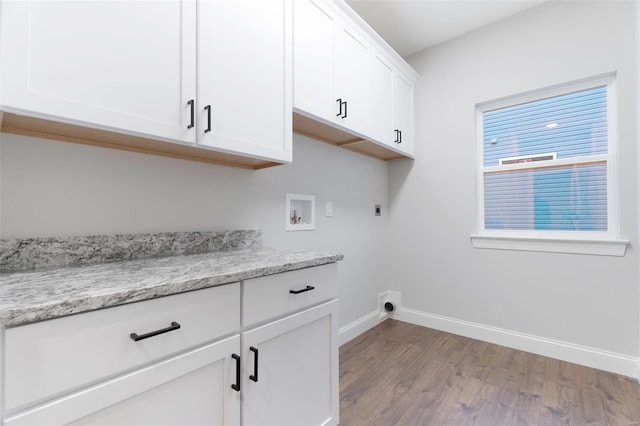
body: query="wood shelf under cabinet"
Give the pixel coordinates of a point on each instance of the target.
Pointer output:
(302, 125)
(314, 129)
(47, 129)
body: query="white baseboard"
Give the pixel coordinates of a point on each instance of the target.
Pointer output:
(577, 354)
(357, 327)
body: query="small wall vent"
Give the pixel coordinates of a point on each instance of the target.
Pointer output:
(389, 304)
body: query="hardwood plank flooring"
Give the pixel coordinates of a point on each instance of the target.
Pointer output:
(403, 374)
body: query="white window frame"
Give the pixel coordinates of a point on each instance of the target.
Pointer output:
(581, 242)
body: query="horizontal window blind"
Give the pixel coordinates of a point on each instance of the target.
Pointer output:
(564, 198)
(558, 183)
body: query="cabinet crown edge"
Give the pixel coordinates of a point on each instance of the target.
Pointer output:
(346, 12)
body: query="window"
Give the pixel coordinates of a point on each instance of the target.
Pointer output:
(546, 169)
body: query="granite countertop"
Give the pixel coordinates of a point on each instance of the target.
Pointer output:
(36, 295)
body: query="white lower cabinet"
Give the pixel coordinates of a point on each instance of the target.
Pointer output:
(190, 389)
(292, 365)
(50, 358)
(183, 360)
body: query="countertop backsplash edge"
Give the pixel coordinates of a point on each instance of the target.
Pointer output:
(33, 254)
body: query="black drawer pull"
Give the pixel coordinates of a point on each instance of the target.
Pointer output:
(254, 376)
(339, 101)
(135, 337)
(236, 385)
(307, 288)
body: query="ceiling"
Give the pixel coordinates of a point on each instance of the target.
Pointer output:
(413, 25)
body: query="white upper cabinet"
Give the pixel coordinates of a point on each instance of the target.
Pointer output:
(124, 66)
(391, 116)
(352, 79)
(403, 114)
(244, 77)
(205, 74)
(381, 93)
(313, 62)
(344, 82)
(330, 66)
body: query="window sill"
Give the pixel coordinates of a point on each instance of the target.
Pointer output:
(551, 245)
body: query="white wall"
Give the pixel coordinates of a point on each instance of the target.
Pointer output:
(637, 50)
(422, 245)
(579, 299)
(51, 188)
(637, 15)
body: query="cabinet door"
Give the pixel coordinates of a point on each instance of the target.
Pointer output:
(124, 66)
(313, 29)
(381, 100)
(190, 389)
(403, 113)
(352, 79)
(244, 77)
(297, 370)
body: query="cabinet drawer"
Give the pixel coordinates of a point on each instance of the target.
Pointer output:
(50, 357)
(272, 296)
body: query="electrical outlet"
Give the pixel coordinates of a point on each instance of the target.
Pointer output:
(329, 209)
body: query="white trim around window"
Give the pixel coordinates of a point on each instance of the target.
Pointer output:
(551, 245)
(521, 233)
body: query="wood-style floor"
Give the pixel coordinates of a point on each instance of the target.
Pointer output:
(402, 374)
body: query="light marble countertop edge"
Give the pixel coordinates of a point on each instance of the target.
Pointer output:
(35, 296)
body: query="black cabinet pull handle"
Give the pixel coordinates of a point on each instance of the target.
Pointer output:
(399, 136)
(307, 288)
(136, 337)
(191, 103)
(236, 385)
(339, 101)
(254, 376)
(345, 110)
(208, 109)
